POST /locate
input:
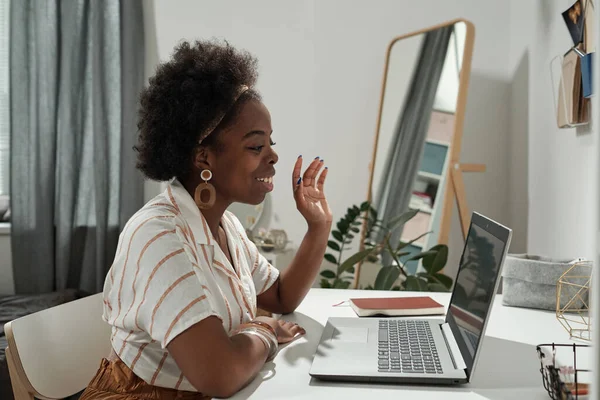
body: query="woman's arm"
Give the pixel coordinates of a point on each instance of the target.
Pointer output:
(218, 365)
(214, 363)
(289, 290)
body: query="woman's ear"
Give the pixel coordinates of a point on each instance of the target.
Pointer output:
(202, 158)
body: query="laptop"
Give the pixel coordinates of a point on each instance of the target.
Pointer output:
(430, 351)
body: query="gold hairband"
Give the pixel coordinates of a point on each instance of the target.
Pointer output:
(213, 125)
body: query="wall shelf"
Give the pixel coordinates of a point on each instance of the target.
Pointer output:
(438, 142)
(431, 179)
(429, 176)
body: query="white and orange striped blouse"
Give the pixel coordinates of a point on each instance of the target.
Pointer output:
(169, 273)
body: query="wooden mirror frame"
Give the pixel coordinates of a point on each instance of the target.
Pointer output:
(455, 184)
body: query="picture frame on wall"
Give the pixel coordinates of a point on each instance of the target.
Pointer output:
(574, 19)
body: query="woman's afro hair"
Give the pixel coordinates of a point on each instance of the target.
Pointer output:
(183, 98)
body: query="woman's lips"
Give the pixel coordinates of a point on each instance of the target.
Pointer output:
(266, 182)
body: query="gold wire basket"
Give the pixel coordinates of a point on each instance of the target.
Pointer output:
(573, 298)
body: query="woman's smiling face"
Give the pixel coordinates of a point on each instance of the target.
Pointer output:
(243, 163)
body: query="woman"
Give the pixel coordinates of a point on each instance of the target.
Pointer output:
(183, 292)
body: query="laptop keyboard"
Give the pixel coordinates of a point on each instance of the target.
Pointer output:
(407, 346)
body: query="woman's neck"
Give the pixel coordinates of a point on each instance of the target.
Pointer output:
(213, 217)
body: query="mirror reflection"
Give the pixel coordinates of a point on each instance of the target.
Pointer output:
(416, 132)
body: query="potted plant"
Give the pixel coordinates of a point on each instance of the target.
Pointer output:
(394, 275)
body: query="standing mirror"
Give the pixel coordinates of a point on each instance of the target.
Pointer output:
(415, 161)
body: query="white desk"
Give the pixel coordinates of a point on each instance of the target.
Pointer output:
(287, 376)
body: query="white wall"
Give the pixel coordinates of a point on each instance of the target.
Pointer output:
(321, 65)
(562, 163)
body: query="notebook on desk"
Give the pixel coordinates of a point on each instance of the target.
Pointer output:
(422, 350)
(396, 306)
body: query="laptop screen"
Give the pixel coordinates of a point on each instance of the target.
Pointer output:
(476, 284)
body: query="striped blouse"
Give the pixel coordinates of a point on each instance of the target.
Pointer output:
(169, 273)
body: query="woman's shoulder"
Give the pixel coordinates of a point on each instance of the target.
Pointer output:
(234, 221)
(155, 215)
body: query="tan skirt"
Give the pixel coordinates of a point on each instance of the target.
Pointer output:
(115, 381)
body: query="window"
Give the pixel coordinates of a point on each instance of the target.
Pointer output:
(4, 100)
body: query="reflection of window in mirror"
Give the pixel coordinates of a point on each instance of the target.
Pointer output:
(445, 99)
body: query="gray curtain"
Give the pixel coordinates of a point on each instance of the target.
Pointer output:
(76, 68)
(406, 148)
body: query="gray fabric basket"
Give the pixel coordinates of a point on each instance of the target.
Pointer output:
(530, 281)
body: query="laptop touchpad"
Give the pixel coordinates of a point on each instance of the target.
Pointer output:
(350, 334)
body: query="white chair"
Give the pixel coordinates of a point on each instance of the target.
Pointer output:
(55, 353)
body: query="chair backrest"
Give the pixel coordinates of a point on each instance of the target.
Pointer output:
(55, 353)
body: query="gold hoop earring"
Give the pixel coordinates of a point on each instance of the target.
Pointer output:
(206, 176)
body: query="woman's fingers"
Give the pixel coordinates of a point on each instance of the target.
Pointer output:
(297, 173)
(313, 181)
(292, 329)
(322, 177)
(311, 171)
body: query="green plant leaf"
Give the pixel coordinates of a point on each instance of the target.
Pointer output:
(421, 255)
(402, 245)
(341, 285)
(444, 280)
(386, 278)
(337, 235)
(437, 287)
(350, 270)
(342, 226)
(364, 206)
(402, 254)
(435, 262)
(333, 245)
(425, 275)
(328, 274)
(415, 284)
(325, 284)
(354, 259)
(400, 220)
(373, 214)
(331, 258)
(372, 258)
(355, 230)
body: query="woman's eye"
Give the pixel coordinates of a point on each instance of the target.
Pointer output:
(259, 148)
